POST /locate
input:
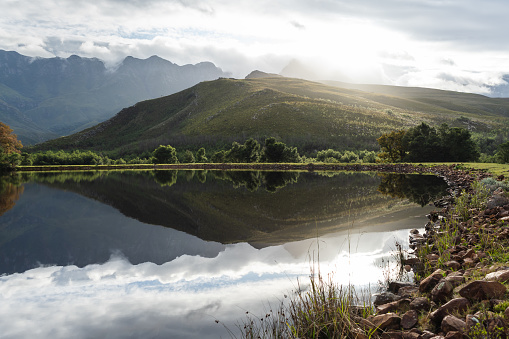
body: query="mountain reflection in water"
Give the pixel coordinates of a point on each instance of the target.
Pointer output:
(84, 255)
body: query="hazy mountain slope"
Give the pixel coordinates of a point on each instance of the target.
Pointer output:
(62, 96)
(303, 113)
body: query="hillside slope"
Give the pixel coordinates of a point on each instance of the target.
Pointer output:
(307, 114)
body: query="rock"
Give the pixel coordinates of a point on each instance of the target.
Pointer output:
(414, 231)
(394, 286)
(458, 305)
(453, 265)
(432, 256)
(472, 321)
(363, 323)
(469, 254)
(496, 327)
(468, 262)
(392, 335)
(428, 335)
(500, 276)
(398, 305)
(454, 335)
(388, 321)
(451, 323)
(442, 291)
(385, 297)
(409, 319)
(420, 304)
(431, 281)
(408, 291)
(411, 261)
(506, 314)
(455, 279)
(480, 290)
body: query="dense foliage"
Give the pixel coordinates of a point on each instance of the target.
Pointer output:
(10, 147)
(427, 144)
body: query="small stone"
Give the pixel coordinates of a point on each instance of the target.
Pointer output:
(451, 323)
(458, 305)
(442, 291)
(468, 262)
(388, 321)
(500, 276)
(414, 231)
(480, 290)
(409, 319)
(420, 304)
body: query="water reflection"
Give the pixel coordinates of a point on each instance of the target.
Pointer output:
(84, 255)
(420, 189)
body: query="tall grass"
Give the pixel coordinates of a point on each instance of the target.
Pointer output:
(324, 310)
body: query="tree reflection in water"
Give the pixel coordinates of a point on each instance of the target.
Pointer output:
(420, 189)
(10, 192)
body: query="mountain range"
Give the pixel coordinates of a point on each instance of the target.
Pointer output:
(310, 115)
(44, 98)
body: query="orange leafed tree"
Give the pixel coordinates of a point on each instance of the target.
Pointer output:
(9, 142)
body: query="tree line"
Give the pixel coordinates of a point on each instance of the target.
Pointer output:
(424, 143)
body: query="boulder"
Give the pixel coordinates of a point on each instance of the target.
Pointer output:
(409, 319)
(431, 281)
(442, 291)
(394, 286)
(458, 305)
(408, 291)
(387, 321)
(500, 276)
(420, 304)
(455, 279)
(481, 290)
(452, 323)
(385, 297)
(453, 265)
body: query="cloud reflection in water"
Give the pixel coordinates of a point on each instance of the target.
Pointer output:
(180, 298)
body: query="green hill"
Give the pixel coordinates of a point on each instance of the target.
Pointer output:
(302, 113)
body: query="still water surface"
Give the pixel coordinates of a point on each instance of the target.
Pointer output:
(164, 254)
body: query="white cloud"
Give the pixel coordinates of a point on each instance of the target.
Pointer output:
(181, 298)
(349, 38)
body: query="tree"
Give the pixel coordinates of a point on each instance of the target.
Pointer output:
(9, 142)
(392, 146)
(423, 143)
(277, 151)
(165, 155)
(457, 144)
(10, 148)
(188, 157)
(249, 152)
(503, 153)
(200, 155)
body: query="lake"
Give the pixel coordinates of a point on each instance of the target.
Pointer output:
(164, 254)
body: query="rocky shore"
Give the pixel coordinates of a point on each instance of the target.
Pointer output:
(461, 268)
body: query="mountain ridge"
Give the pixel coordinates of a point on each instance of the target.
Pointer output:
(44, 98)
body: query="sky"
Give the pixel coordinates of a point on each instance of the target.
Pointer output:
(449, 44)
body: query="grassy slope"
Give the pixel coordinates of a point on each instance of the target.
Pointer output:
(303, 113)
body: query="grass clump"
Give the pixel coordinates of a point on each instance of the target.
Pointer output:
(324, 310)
